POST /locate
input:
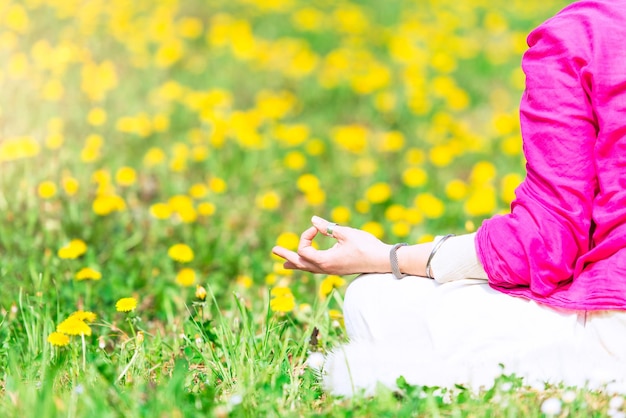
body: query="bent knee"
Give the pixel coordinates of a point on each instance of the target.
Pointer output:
(363, 289)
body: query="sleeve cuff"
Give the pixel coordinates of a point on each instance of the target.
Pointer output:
(456, 259)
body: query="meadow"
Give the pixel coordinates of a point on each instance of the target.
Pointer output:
(153, 151)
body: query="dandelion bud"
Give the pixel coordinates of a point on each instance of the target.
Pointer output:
(200, 292)
(139, 337)
(101, 343)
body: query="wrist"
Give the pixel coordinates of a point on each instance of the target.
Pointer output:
(412, 258)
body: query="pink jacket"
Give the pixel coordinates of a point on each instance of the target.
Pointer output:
(564, 242)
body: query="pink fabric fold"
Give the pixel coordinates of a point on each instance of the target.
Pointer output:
(564, 242)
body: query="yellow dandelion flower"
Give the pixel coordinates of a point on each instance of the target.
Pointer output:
(58, 339)
(414, 177)
(181, 253)
(391, 141)
(190, 27)
(282, 299)
(307, 183)
(401, 229)
(340, 214)
(126, 304)
(315, 147)
(54, 140)
(395, 212)
(511, 145)
(160, 210)
(160, 122)
(198, 190)
(70, 185)
(217, 185)
(46, 189)
(508, 186)
(280, 291)
(52, 90)
(201, 292)
(271, 279)
(362, 206)
(385, 102)
(329, 283)
(73, 249)
(415, 156)
(283, 303)
(268, 201)
(288, 240)
(456, 189)
(481, 202)
(244, 281)
(55, 125)
(87, 273)
(107, 204)
(74, 326)
(335, 314)
(16, 18)
(97, 116)
(374, 228)
(291, 134)
(315, 197)
(294, 160)
(352, 138)
(426, 238)
(413, 216)
(126, 176)
(378, 192)
(482, 172)
(429, 205)
(364, 167)
(84, 316)
(154, 156)
(186, 277)
(280, 270)
(308, 19)
(206, 208)
(169, 53)
(441, 155)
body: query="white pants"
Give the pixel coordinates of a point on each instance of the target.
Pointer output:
(461, 332)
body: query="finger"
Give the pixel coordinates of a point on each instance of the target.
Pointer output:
(294, 261)
(304, 266)
(283, 252)
(306, 238)
(322, 225)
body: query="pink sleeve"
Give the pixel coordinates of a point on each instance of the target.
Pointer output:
(538, 243)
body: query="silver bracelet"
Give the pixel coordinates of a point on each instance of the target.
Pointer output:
(438, 245)
(393, 259)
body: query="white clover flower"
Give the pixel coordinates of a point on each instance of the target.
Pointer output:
(235, 400)
(506, 386)
(315, 360)
(569, 396)
(616, 402)
(551, 406)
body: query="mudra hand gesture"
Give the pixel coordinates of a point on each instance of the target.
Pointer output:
(355, 251)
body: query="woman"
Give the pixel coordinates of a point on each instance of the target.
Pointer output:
(541, 290)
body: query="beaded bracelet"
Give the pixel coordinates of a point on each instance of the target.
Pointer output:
(438, 245)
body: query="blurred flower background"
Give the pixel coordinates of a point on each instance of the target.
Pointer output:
(152, 153)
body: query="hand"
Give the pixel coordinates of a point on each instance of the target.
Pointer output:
(356, 251)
